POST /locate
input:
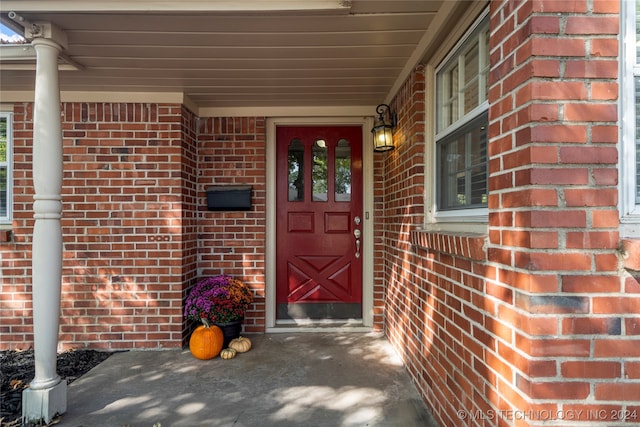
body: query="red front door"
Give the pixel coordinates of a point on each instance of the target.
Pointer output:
(319, 222)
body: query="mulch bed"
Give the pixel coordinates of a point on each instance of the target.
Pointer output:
(18, 370)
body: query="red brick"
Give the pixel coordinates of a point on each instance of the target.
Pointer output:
(605, 219)
(592, 240)
(565, 390)
(615, 305)
(537, 113)
(625, 391)
(591, 112)
(617, 348)
(545, 67)
(550, 91)
(554, 6)
(632, 325)
(592, 25)
(604, 47)
(529, 325)
(558, 47)
(554, 347)
(606, 6)
(591, 326)
(605, 177)
(551, 219)
(543, 240)
(591, 284)
(544, 24)
(604, 91)
(530, 197)
(606, 262)
(556, 176)
(632, 369)
(593, 155)
(552, 304)
(542, 261)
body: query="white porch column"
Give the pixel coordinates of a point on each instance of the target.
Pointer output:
(47, 394)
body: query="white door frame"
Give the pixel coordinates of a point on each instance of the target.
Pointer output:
(367, 229)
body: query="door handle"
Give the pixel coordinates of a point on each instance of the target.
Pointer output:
(356, 234)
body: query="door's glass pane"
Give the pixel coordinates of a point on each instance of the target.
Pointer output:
(343, 171)
(320, 171)
(296, 171)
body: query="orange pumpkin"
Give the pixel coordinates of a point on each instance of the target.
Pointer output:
(206, 342)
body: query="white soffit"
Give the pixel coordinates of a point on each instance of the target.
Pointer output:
(238, 54)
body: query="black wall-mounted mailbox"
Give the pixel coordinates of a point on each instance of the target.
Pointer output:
(229, 198)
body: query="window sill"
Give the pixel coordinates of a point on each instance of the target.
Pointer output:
(631, 254)
(465, 245)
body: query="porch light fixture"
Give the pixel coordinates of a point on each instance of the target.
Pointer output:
(383, 128)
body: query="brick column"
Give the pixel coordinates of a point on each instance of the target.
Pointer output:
(553, 217)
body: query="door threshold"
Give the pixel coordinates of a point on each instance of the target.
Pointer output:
(324, 325)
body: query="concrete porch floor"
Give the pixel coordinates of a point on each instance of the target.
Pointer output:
(287, 379)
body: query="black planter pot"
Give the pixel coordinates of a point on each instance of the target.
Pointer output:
(230, 331)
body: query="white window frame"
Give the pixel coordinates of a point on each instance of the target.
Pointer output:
(466, 219)
(629, 69)
(9, 165)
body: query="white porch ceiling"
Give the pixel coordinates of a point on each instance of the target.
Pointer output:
(223, 54)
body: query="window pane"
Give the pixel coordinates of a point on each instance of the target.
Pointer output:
(343, 171)
(462, 82)
(462, 167)
(637, 89)
(471, 82)
(637, 31)
(320, 172)
(478, 165)
(452, 177)
(296, 171)
(447, 87)
(3, 192)
(3, 168)
(3, 139)
(484, 65)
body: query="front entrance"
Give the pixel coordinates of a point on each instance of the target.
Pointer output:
(318, 222)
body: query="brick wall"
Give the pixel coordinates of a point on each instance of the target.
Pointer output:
(538, 319)
(190, 202)
(232, 151)
(122, 226)
(554, 225)
(135, 226)
(437, 308)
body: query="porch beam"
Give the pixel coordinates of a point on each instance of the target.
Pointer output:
(47, 394)
(50, 6)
